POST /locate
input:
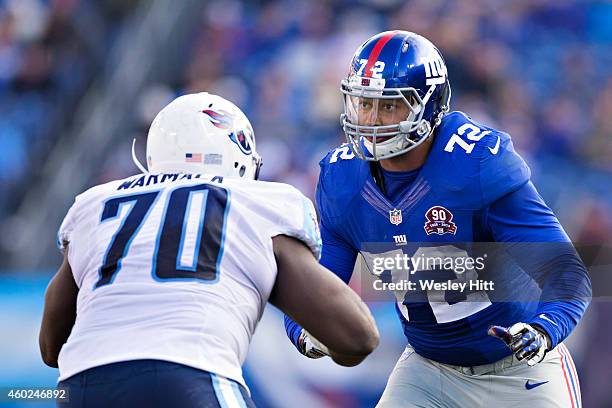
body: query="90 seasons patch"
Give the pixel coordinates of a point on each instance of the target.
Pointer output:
(439, 221)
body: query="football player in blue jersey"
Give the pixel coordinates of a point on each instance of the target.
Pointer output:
(428, 181)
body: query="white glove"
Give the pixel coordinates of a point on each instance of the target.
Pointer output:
(524, 340)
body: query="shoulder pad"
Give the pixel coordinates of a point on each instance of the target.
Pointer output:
(472, 165)
(341, 178)
(75, 212)
(285, 208)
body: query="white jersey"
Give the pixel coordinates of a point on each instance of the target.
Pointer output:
(176, 267)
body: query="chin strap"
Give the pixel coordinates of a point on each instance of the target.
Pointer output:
(377, 175)
(135, 159)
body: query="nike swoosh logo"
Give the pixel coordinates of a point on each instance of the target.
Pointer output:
(530, 386)
(543, 316)
(496, 148)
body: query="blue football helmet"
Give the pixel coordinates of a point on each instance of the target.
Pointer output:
(395, 94)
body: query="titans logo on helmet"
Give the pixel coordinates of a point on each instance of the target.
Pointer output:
(224, 120)
(242, 140)
(220, 119)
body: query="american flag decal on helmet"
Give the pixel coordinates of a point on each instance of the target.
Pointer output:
(193, 157)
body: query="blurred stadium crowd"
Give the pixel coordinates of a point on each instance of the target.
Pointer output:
(536, 69)
(49, 53)
(539, 70)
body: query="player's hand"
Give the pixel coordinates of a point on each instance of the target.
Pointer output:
(311, 347)
(525, 341)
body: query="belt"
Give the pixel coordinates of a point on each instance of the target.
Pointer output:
(495, 367)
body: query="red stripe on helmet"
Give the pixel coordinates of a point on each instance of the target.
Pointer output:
(382, 41)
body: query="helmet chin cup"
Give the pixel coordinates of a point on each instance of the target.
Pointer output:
(405, 127)
(424, 128)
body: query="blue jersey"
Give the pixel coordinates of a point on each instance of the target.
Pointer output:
(473, 187)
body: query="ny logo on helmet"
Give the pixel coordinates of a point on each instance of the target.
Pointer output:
(435, 71)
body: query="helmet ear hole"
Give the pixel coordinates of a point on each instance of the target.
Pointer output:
(236, 165)
(242, 170)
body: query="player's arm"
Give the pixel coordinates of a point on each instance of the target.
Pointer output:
(59, 313)
(542, 248)
(321, 303)
(339, 257)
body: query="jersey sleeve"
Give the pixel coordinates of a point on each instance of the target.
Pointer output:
(67, 226)
(502, 170)
(337, 254)
(298, 219)
(543, 250)
(471, 165)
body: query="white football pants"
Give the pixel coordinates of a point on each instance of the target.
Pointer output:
(420, 382)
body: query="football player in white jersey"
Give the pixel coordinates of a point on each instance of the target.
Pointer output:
(166, 273)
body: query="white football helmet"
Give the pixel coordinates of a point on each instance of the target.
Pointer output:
(202, 133)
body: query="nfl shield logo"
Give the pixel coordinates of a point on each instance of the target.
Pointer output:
(395, 216)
